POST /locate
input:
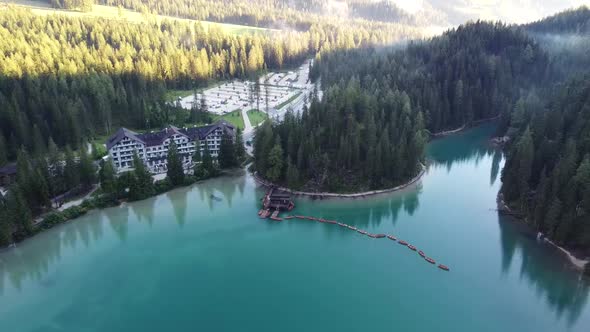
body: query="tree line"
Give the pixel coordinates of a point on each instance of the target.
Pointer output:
(45, 181)
(352, 140)
(369, 130)
(71, 79)
(546, 178)
(473, 72)
(547, 172)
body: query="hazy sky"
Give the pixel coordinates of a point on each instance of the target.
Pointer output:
(511, 11)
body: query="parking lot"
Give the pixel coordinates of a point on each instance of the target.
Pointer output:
(230, 96)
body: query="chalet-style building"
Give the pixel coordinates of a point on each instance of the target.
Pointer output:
(7, 174)
(152, 147)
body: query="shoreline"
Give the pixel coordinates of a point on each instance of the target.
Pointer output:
(322, 195)
(577, 263)
(445, 133)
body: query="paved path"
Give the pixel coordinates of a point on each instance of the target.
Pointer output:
(247, 124)
(78, 201)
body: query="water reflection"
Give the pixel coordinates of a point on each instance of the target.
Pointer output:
(495, 166)
(564, 290)
(39, 254)
(368, 212)
(470, 145)
(554, 282)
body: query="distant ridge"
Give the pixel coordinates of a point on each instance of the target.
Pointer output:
(569, 21)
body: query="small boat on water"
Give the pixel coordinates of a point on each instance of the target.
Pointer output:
(421, 253)
(391, 237)
(379, 236)
(403, 243)
(411, 247)
(300, 217)
(361, 231)
(371, 235)
(430, 260)
(289, 217)
(443, 267)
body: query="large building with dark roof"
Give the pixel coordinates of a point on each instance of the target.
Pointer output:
(152, 147)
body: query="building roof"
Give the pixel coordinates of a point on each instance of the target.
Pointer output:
(158, 138)
(8, 169)
(119, 135)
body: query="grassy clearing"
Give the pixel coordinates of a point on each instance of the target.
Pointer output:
(115, 13)
(234, 117)
(288, 101)
(256, 117)
(172, 95)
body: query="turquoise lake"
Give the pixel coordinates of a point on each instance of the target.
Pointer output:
(185, 262)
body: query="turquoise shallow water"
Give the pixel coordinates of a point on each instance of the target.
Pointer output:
(184, 262)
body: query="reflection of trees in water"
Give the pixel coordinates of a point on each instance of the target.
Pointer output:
(373, 212)
(225, 188)
(470, 145)
(565, 291)
(144, 210)
(495, 166)
(35, 261)
(179, 201)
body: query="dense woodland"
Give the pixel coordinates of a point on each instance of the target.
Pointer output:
(470, 73)
(352, 140)
(296, 14)
(70, 78)
(547, 173)
(368, 132)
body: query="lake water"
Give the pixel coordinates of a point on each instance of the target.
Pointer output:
(185, 262)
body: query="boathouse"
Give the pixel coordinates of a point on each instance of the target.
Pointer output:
(277, 200)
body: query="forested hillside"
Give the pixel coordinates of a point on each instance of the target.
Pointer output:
(368, 131)
(296, 14)
(353, 140)
(570, 21)
(547, 173)
(473, 72)
(68, 79)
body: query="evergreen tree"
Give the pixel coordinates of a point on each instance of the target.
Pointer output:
(71, 170)
(3, 151)
(6, 226)
(108, 183)
(142, 184)
(275, 161)
(87, 169)
(175, 171)
(207, 163)
(18, 212)
(239, 150)
(227, 157)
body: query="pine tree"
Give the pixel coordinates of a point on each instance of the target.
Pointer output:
(275, 161)
(175, 171)
(6, 226)
(19, 212)
(525, 152)
(142, 185)
(207, 163)
(239, 150)
(71, 170)
(108, 183)
(227, 156)
(3, 151)
(87, 169)
(292, 175)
